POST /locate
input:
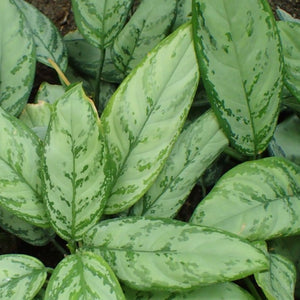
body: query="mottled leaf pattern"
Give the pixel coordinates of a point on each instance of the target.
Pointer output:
(100, 21)
(76, 173)
(83, 275)
(257, 200)
(21, 276)
(218, 291)
(196, 148)
(171, 255)
(239, 55)
(17, 58)
(49, 92)
(289, 34)
(144, 117)
(183, 13)
(149, 24)
(29, 233)
(278, 283)
(20, 184)
(46, 37)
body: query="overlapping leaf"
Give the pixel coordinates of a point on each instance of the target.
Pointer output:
(239, 55)
(146, 28)
(21, 276)
(278, 283)
(46, 37)
(100, 21)
(17, 58)
(20, 184)
(76, 174)
(183, 13)
(171, 255)
(257, 200)
(196, 148)
(83, 275)
(289, 35)
(144, 117)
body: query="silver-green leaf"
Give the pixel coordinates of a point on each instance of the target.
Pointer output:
(196, 148)
(46, 37)
(171, 255)
(145, 115)
(17, 58)
(21, 276)
(258, 200)
(83, 275)
(100, 21)
(76, 171)
(149, 25)
(239, 55)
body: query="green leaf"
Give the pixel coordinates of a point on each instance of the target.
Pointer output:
(289, 35)
(17, 58)
(21, 276)
(258, 200)
(20, 183)
(171, 255)
(286, 140)
(49, 92)
(149, 25)
(83, 275)
(46, 37)
(76, 171)
(196, 148)
(284, 16)
(37, 117)
(144, 117)
(29, 233)
(239, 55)
(278, 283)
(100, 21)
(183, 13)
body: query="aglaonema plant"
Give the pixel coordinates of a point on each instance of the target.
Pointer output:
(111, 185)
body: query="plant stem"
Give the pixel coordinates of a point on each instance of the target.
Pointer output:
(98, 79)
(59, 247)
(233, 153)
(59, 72)
(252, 288)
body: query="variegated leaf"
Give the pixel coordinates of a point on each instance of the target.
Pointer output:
(289, 34)
(20, 184)
(278, 283)
(149, 25)
(76, 170)
(183, 13)
(171, 255)
(21, 276)
(218, 291)
(46, 37)
(239, 55)
(258, 200)
(17, 58)
(196, 148)
(144, 117)
(29, 233)
(49, 92)
(36, 117)
(100, 21)
(83, 275)
(285, 16)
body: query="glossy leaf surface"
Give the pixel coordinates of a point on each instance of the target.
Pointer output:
(149, 24)
(278, 283)
(218, 291)
(257, 200)
(100, 21)
(46, 37)
(20, 184)
(289, 34)
(83, 275)
(196, 148)
(75, 165)
(21, 276)
(144, 117)
(239, 56)
(165, 254)
(27, 232)
(17, 58)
